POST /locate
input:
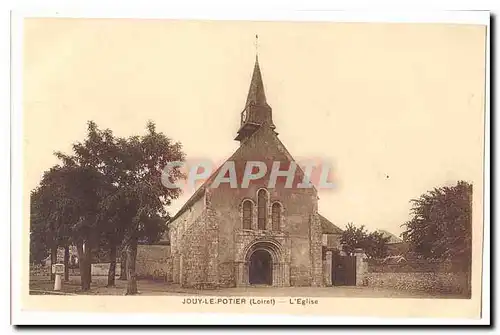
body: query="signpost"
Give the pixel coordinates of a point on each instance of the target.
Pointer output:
(58, 270)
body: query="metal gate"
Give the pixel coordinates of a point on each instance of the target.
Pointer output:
(344, 270)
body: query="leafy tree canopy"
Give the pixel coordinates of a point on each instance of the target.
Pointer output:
(441, 226)
(107, 192)
(374, 244)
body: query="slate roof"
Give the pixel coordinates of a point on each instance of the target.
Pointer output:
(327, 227)
(256, 92)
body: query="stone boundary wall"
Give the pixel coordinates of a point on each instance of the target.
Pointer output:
(97, 269)
(418, 275)
(412, 266)
(102, 269)
(436, 282)
(39, 270)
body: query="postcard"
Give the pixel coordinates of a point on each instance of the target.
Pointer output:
(299, 167)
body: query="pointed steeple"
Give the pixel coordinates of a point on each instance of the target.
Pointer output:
(256, 94)
(257, 112)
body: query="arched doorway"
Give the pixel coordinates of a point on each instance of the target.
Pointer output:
(260, 268)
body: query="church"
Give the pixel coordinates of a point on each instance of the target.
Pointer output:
(257, 235)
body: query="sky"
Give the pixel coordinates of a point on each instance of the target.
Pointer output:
(397, 108)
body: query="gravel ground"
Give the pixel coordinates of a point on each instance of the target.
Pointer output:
(43, 285)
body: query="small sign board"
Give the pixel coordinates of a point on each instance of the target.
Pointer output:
(58, 269)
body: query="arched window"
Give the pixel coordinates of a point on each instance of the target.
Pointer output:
(262, 209)
(247, 214)
(276, 211)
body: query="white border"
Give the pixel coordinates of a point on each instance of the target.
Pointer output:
(486, 275)
(257, 14)
(5, 157)
(16, 166)
(302, 13)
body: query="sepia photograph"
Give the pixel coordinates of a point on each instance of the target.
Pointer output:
(253, 166)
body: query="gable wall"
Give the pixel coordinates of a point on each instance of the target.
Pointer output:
(299, 206)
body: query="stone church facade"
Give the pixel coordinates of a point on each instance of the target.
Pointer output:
(233, 237)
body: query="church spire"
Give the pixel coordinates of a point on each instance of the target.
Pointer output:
(256, 93)
(257, 112)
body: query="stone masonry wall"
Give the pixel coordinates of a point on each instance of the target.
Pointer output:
(179, 227)
(102, 269)
(244, 238)
(361, 266)
(212, 249)
(298, 205)
(153, 261)
(327, 268)
(332, 241)
(437, 282)
(193, 254)
(184, 233)
(227, 273)
(300, 266)
(316, 250)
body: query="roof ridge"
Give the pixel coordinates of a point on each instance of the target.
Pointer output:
(199, 192)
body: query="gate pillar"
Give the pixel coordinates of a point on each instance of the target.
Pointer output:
(361, 266)
(327, 268)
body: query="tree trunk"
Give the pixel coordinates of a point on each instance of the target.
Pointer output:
(131, 275)
(83, 263)
(66, 263)
(53, 260)
(123, 264)
(88, 265)
(112, 266)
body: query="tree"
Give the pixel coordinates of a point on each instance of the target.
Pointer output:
(135, 206)
(115, 211)
(89, 172)
(94, 228)
(39, 244)
(134, 198)
(374, 244)
(108, 194)
(84, 187)
(143, 161)
(441, 226)
(41, 240)
(38, 250)
(353, 238)
(65, 206)
(47, 224)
